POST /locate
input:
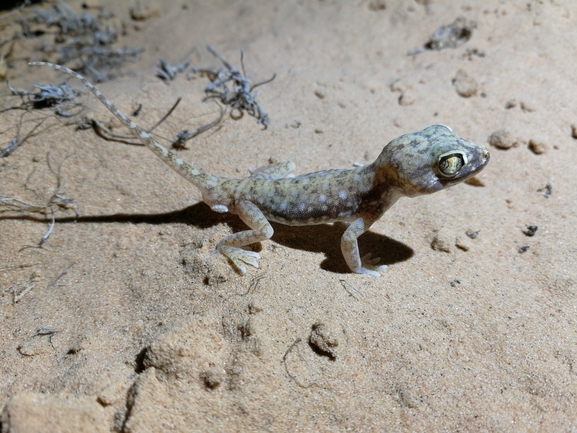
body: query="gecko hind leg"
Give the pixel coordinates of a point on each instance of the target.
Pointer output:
(232, 246)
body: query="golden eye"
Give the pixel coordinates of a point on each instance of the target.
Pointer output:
(451, 163)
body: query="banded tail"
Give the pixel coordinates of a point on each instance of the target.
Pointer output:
(197, 177)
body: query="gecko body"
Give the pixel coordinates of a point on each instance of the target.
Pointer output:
(413, 164)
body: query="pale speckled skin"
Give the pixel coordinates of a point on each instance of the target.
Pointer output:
(413, 164)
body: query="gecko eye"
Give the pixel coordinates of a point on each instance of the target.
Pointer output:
(451, 163)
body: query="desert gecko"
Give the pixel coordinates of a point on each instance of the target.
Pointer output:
(413, 164)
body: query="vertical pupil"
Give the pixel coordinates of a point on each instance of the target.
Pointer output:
(450, 165)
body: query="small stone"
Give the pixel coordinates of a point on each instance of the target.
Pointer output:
(463, 242)
(443, 241)
(407, 98)
(254, 308)
(465, 85)
(523, 249)
(319, 94)
(501, 139)
(530, 230)
(574, 130)
(450, 35)
(322, 338)
(143, 12)
(211, 377)
(472, 233)
(377, 5)
(527, 107)
(512, 103)
(537, 147)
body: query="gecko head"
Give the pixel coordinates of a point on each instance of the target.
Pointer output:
(430, 160)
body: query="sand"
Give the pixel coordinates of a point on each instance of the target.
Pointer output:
(471, 328)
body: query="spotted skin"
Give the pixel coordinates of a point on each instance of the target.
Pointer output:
(413, 164)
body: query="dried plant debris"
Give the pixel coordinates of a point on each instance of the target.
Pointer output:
(49, 96)
(17, 140)
(167, 72)
(11, 207)
(546, 190)
(231, 87)
(183, 136)
(449, 36)
(84, 39)
(472, 233)
(61, 99)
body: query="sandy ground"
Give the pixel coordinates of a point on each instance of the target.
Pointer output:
(148, 335)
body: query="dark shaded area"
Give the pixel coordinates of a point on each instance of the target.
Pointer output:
(322, 238)
(321, 352)
(7, 5)
(139, 366)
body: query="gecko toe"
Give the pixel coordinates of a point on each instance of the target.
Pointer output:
(371, 263)
(367, 271)
(239, 257)
(368, 259)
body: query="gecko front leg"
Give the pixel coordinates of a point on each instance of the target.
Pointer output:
(261, 230)
(350, 249)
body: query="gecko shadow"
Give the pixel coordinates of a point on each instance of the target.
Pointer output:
(322, 238)
(326, 239)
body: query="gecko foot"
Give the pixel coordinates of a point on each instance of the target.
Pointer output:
(240, 257)
(370, 265)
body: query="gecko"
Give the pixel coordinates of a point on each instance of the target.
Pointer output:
(413, 164)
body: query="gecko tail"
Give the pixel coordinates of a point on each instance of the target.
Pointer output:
(192, 174)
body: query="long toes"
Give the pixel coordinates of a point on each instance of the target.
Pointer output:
(371, 262)
(241, 268)
(239, 257)
(250, 260)
(368, 272)
(251, 254)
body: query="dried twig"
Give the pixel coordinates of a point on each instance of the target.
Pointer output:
(44, 239)
(60, 275)
(102, 130)
(16, 141)
(58, 200)
(167, 72)
(85, 39)
(183, 136)
(239, 96)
